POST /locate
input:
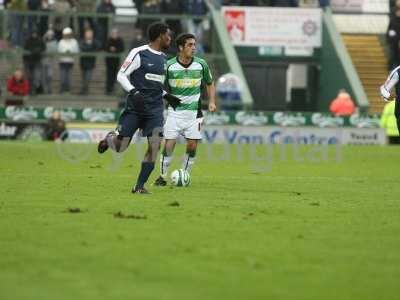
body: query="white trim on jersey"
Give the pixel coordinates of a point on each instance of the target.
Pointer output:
(392, 79)
(132, 63)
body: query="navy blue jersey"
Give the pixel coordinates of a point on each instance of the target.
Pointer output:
(144, 70)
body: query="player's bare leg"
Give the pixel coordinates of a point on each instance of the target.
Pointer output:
(153, 147)
(190, 155)
(165, 161)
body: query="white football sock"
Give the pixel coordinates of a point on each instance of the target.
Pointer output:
(165, 161)
(188, 162)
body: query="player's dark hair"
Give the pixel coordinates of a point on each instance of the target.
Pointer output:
(182, 38)
(155, 30)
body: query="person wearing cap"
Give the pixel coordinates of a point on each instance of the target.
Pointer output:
(67, 45)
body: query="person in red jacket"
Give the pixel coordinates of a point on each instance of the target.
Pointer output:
(17, 85)
(342, 105)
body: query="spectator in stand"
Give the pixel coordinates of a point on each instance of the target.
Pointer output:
(87, 62)
(85, 22)
(67, 45)
(342, 105)
(61, 20)
(33, 20)
(43, 25)
(105, 7)
(139, 7)
(114, 45)
(33, 61)
(48, 61)
(173, 7)
(56, 127)
(195, 8)
(18, 87)
(16, 22)
(393, 37)
(149, 7)
(324, 3)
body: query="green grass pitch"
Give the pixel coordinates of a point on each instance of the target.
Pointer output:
(293, 226)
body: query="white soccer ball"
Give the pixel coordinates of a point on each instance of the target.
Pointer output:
(180, 177)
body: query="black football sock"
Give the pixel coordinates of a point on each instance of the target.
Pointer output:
(145, 171)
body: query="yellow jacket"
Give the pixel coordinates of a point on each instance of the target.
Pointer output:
(388, 120)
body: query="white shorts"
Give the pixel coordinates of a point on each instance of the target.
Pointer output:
(189, 128)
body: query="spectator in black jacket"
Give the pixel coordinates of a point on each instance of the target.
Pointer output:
(33, 61)
(105, 7)
(87, 62)
(114, 45)
(393, 39)
(33, 20)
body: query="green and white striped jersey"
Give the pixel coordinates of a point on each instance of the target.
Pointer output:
(185, 83)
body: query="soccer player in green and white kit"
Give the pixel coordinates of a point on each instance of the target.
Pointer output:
(184, 77)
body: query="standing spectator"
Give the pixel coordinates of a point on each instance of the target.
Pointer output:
(149, 7)
(33, 61)
(87, 63)
(393, 39)
(67, 44)
(114, 45)
(17, 22)
(85, 22)
(48, 62)
(33, 6)
(61, 20)
(196, 8)
(43, 25)
(139, 8)
(17, 85)
(105, 7)
(173, 7)
(342, 105)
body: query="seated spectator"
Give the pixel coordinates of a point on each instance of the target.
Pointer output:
(17, 86)
(114, 45)
(35, 48)
(87, 63)
(342, 105)
(48, 61)
(56, 127)
(68, 44)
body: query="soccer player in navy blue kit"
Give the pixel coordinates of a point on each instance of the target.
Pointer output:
(142, 76)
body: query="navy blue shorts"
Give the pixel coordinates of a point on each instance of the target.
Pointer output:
(130, 121)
